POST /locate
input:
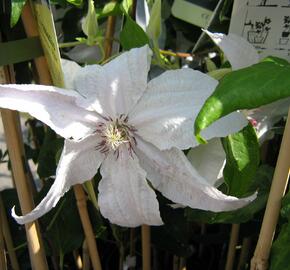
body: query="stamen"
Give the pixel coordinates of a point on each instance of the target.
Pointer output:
(115, 133)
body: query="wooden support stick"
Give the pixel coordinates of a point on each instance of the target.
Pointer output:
(90, 237)
(8, 237)
(15, 146)
(244, 253)
(86, 257)
(232, 246)
(146, 251)
(111, 22)
(31, 30)
(278, 187)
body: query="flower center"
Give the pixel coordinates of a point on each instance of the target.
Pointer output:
(115, 133)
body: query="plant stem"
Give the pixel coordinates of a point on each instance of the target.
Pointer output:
(70, 44)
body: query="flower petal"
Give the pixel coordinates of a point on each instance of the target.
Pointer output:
(171, 173)
(265, 117)
(79, 162)
(238, 51)
(226, 125)
(54, 106)
(208, 160)
(114, 88)
(166, 112)
(125, 198)
(70, 69)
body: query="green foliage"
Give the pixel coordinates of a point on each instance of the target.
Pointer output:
(174, 235)
(110, 9)
(154, 26)
(132, 35)
(90, 25)
(65, 235)
(262, 183)
(242, 155)
(16, 9)
(49, 151)
(126, 6)
(280, 251)
(77, 3)
(246, 88)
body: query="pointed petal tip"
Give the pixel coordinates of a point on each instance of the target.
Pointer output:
(20, 219)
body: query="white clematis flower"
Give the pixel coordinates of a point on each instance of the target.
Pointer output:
(133, 130)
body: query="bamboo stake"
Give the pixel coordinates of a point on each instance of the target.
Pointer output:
(110, 30)
(14, 145)
(146, 253)
(15, 148)
(278, 187)
(31, 30)
(244, 253)
(8, 237)
(90, 237)
(232, 246)
(45, 78)
(86, 257)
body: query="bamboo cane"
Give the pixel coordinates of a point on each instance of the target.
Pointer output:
(244, 253)
(86, 257)
(232, 246)
(111, 22)
(8, 237)
(31, 30)
(90, 237)
(14, 145)
(146, 253)
(15, 148)
(45, 78)
(278, 187)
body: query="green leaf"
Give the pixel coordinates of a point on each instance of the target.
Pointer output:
(77, 3)
(132, 35)
(90, 24)
(262, 183)
(110, 9)
(174, 236)
(65, 235)
(280, 251)
(154, 26)
(126, 6)
(47, 159)
(242, 160)
(16, 9)
(285, 210)
(246, 88)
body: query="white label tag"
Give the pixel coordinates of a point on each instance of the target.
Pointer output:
(265, 24)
